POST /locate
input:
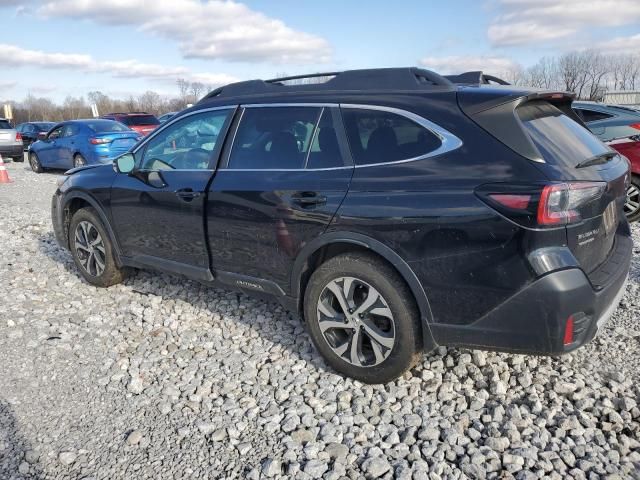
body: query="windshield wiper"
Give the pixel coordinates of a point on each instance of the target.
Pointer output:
(597, 159)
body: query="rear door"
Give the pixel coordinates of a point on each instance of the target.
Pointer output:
(284, 177)
(158, 209)
(67, 145)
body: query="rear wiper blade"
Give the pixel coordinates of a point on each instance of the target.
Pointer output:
(597, 159)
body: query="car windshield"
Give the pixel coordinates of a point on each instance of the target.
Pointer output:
(140, 120)
(103, 126)
(5, 125)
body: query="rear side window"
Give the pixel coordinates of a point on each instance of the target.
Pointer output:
(377, 137)
(140, 120)
(559, 139)
(274, 138)
(591, 115)
(4, 125)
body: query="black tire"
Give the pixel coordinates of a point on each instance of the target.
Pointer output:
(34, 161)
(78, 161)
(632, 206)
(407, 344)
(110, 274)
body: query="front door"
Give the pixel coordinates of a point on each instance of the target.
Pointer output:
(49, 151)
(158, 209)
(286, 175)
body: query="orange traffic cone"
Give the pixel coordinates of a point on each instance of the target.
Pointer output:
(4, 175)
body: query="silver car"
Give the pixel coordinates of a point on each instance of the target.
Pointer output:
(10, 141)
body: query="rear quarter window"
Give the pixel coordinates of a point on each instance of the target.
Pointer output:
(559, 139)
(4, 125)
(377, 137)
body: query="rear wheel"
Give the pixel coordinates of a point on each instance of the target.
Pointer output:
(34, 162)
(363, 318)
(79, 161)
(92, 249)
(632, 204)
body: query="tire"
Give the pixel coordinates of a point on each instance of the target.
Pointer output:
(396, 316)
(92, 249)
(34, 161)
(632, 205)
(78, 161)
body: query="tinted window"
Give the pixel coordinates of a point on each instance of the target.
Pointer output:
(558, 138)
(188, 144)
(55, 133)
(104, 126)
(591, 115)
(41, 127)
(70, 130)
(274, 137)
(139, 120)
(377, 136)
(325, 148)
(5, 125)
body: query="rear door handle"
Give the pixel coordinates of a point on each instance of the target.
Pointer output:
(187, 194)
(308, 199)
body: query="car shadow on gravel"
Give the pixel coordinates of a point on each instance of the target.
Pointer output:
(17, 459)
(152, 283)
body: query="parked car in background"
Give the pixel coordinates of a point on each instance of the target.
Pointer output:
(33, 131)
(141, 122)
(81, 142)
(167, 116)
(10, 141)
(619, 127)
(411, 214)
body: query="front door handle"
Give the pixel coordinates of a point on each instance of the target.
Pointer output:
(187, 194)
(308, 199)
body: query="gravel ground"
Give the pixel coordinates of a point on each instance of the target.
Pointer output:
(165, 378)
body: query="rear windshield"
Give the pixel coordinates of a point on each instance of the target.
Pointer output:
(4, 125)
(559, 139)
(44, 127)
(140, 120)
(103, 126)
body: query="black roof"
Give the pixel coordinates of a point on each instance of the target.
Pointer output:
(408, 78)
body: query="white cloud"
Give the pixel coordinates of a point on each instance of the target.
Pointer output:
(458, 64)
(7, 85)
(530, 22)
(14, 56)
(629, 44)
(212, 29)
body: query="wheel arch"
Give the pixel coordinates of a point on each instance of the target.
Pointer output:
(74, 201)
(312, 254)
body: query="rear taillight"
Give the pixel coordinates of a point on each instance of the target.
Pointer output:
(549, 205)
(99, 141)
(18, 137)
(635, 125)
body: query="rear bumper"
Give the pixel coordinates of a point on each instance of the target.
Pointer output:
(11, 150)
(533, 320)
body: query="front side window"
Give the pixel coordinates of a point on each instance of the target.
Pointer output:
(274, 138)
(56, 133)
(377, 136)
(187, 144)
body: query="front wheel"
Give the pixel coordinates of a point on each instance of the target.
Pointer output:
(363, 318)
(79, 161)
(632, 204)
(92, 249)
(34, 162)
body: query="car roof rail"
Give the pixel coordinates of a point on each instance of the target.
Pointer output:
(407, 78)
(475, 78)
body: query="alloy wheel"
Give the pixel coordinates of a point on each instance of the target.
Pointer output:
(356, 321)
(632, 203)
(33, 161)
(78, 161)
(89, 248)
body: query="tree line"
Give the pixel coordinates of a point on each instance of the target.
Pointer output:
(588, 73)
(35, 108)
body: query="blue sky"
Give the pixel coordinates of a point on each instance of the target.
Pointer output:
(57, 48)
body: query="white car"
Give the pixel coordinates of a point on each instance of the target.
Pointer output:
(10, 141)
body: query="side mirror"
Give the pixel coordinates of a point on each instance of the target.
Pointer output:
(124, 163)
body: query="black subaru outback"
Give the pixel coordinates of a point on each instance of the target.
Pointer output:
(394, 209)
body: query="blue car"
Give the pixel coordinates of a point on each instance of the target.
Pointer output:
(81, 142)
